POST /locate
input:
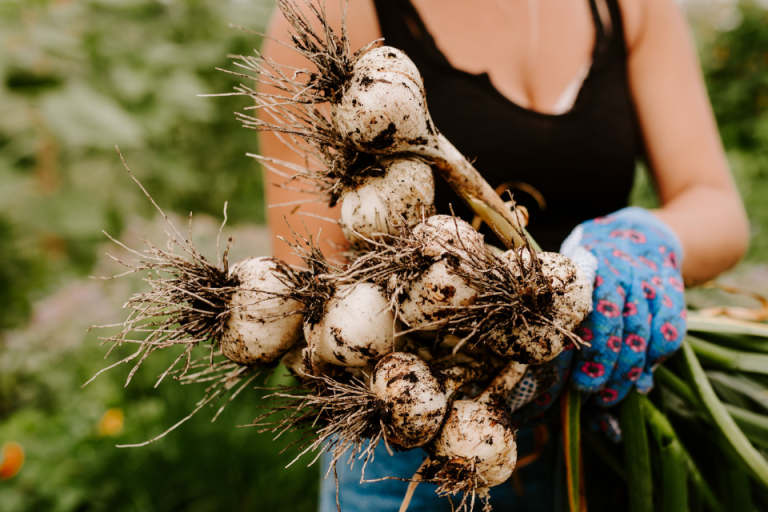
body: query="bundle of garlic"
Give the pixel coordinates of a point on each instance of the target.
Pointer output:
(369, 368)
(428, 275)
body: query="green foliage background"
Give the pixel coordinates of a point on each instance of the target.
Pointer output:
(77, 78)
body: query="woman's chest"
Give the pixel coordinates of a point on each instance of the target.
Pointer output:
(531, 49)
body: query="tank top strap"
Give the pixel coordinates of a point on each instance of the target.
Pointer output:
(403, 28)
(602, 30)
(611, 12)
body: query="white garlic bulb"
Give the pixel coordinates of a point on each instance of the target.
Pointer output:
(403, 194)
(260, 327)
(356, 329)
(478, 435)
(431, 299)
(443, 234)
(383, 108)
(571, 299)
(413, 395)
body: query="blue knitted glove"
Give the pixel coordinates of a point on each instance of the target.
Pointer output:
(638, 316)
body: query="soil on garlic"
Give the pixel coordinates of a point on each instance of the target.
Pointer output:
(560, 299)
(475, 450)
(383, 107)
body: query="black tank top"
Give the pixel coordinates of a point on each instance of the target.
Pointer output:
(581, 163)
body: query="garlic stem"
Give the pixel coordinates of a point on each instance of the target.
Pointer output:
(469, 184)
(459, 376)
(502, 384)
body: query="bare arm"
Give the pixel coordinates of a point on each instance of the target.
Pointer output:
(700, 201)
(363, 28)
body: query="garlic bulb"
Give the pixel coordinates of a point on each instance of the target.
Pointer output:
(539, 342)
(414, 397)
(406, 192)
(261, 327)
(445, 234)
(476, 436)
(476, 448)
(356, 329)
(431, 298)
(383, 108)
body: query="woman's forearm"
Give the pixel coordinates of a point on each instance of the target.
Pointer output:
(712, 227)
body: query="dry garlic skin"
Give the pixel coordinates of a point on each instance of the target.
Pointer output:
(293, 360)
(365, 213)
(387, 58)
(383, 108)
(382, 203)
(298, 358)
(357, 328)
(541, 342)
(480, 432)
(413, 396)
(255, 332)
(431, 298)
(443, 234)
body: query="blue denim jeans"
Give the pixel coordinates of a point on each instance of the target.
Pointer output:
(541, 483)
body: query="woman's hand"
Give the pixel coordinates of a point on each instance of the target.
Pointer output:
(638, 315)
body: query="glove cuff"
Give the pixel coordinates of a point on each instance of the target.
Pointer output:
(587, 261)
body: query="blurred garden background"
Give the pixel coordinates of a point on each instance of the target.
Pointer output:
(78, 78)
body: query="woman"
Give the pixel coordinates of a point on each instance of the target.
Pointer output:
(556, 100)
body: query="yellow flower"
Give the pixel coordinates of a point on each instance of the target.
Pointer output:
(111, 424)
(11, 460)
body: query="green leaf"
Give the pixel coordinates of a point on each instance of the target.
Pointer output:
(725, 424)
(82, 117)
(725, 325)
(597, 445)
(677, 385)
(738, 489)
(742, 384)
(637, 454)
(733, 480)
(737, 341)
(672, 448)
(754, 426)
(729, 359)
(571, 407)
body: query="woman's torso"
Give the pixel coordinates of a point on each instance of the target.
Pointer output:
(564, 168)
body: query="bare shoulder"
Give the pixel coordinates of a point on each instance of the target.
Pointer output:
(640, 15)
(361, 21)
